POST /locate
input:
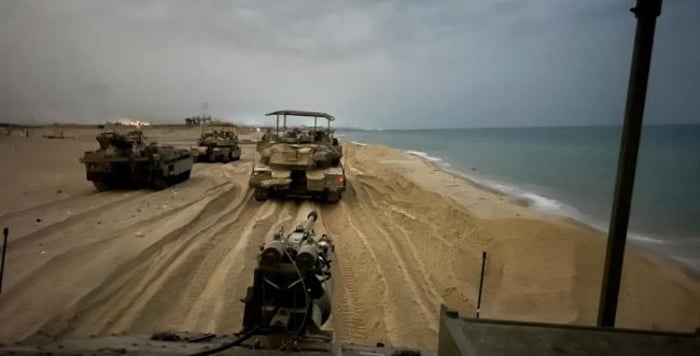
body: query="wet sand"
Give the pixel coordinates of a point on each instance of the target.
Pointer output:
(408, 238)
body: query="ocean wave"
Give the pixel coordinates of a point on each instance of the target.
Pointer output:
(424, 155)
(556, 207)
(531, 199)
(526, 197)
(692, 263)
(646, 239)
(543, 203)
(552, 206)
(358, 143)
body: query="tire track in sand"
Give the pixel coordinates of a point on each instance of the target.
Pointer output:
(107, 260)
(444, 281)
(217, 307)
(169, 278)
(402, 243)
(122, 295)
(417, 296)
(355, 252)
(348, 321)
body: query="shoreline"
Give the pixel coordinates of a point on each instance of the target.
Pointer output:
(634, 240)
(543, 267)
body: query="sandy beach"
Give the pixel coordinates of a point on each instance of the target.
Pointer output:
(408, 237)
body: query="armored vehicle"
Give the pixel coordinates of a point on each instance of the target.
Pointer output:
(218, 143)
(299, 162)
(128, 161)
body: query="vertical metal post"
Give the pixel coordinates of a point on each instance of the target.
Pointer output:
(646, 12)
(481, 283)
(5, 233)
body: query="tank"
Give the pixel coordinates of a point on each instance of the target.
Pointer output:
(299, 162)
(217, 144)
(128, 161)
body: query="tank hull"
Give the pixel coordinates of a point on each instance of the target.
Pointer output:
(327, 184)
(131, 172)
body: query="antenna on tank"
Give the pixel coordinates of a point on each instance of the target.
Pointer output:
(5, 233)
(481, 283)
(646, 13)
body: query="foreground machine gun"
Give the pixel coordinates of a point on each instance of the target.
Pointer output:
(291, 294)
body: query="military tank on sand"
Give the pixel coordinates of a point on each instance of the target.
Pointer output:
(128, 161)
(299, 162)
(218, 143)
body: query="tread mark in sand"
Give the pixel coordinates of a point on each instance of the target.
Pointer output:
(420, 297)
(140, 270)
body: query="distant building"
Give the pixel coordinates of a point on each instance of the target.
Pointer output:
(198, 120)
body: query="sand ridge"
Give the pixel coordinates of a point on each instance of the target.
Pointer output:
(408, 238)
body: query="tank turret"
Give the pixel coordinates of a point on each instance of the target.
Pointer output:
(217, 144)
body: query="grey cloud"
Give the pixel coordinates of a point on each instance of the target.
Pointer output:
(371, 63)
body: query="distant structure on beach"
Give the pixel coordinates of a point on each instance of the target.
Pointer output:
(198, 120)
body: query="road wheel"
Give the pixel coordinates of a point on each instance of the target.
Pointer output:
(183, 176)
(226, 158)
(261, 194)
(159, 183)
(333, 197)
(100, 186)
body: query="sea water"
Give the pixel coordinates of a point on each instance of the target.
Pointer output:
(571, 171)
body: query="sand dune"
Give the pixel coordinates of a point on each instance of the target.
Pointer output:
(408, 238)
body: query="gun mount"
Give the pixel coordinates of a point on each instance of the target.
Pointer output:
(290, 298)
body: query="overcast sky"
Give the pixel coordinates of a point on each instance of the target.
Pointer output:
(388, 64)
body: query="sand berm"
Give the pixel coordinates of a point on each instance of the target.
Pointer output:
(408, 238)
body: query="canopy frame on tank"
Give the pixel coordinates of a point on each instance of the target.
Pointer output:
(315, 114)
